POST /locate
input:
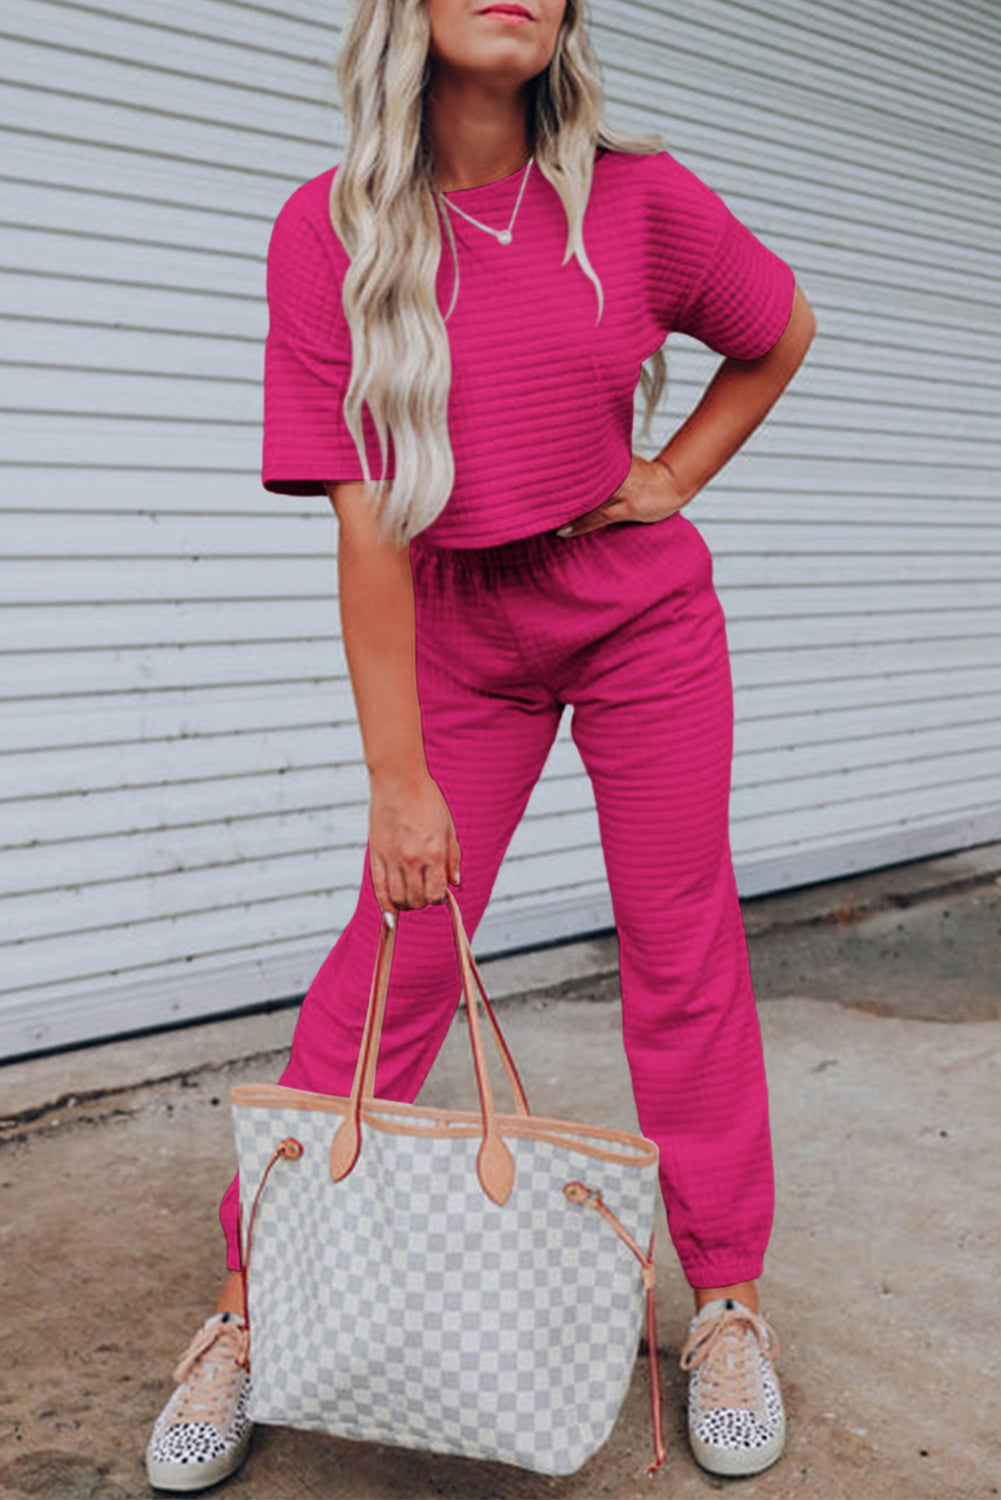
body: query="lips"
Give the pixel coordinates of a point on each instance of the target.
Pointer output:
(509, 9)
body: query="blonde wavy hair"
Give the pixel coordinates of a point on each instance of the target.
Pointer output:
(384, 206)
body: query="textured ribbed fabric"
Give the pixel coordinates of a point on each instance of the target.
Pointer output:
(542, 398)
(624, 624)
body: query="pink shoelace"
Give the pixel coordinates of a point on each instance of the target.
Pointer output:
(728, 1358)
(209, 1367)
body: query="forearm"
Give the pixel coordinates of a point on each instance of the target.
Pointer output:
(735, 402)
(378, 629)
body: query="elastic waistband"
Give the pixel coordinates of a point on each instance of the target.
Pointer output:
(536, 553)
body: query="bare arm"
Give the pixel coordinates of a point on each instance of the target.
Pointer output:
(735, 402)
(413, 848)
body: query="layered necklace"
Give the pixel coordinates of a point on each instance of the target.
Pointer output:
(503, 236)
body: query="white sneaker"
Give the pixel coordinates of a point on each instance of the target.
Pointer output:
(736, 1419)
(203, 1432)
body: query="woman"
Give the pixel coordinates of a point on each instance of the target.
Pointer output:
(493, 269)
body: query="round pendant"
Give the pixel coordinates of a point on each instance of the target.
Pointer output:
(504, 235)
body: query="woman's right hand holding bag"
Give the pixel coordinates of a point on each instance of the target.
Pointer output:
(413, 848)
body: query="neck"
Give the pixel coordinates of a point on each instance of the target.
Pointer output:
(486, 176)
(475, 136)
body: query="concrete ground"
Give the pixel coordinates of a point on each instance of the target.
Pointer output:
(880, 1004)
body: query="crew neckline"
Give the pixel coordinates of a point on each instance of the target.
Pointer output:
(481, 187)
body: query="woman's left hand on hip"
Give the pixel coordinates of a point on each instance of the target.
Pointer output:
(648, 493)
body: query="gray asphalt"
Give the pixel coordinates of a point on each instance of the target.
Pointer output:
(880, 1004)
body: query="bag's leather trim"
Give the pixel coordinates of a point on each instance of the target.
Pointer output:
(435, 1122)
(291, 1150)
(494, 1163)
(579, 1192)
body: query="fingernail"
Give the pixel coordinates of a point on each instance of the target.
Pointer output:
(565, 531)
(390, 918)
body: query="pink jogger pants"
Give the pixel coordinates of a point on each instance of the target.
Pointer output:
(624, 624)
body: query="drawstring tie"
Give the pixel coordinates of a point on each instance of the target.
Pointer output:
(577, 1192)
(291, 1150)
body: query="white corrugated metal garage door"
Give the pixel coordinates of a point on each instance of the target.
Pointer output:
(857, 538)
(185, 811)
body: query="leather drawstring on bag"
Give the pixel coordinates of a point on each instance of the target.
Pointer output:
(577, 1192)
(291, 1150)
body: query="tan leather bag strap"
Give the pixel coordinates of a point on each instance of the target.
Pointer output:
(346, 1144)
(494, 1161)
(387, 937)
(495, 1165)
(463, 947)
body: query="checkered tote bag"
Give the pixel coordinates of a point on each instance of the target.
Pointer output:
(463, 1282)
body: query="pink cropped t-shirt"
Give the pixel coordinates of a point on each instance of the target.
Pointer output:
(542, 397)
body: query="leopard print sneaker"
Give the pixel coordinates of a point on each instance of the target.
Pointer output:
(736, 1419)
(203, 1432)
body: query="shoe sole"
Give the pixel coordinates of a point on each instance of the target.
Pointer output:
(737, 1460)
(183, 1478)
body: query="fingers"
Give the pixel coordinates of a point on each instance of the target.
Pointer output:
(415, 881)
(577, 530)
(380, 885)
(454, 859)
(414, 852)
(592, 520)
(441, 870)
(394, 886)
(434, 877)
(406, 881)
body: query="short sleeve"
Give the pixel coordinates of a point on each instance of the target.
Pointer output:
(307, 359)
(720, 283)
